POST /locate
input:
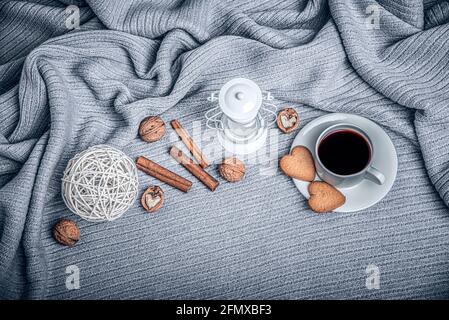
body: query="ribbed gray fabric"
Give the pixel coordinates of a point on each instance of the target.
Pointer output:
(62, 91)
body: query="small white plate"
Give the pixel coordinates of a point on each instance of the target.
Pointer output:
(366, 193)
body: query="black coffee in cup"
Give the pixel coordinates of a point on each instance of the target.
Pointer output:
(344, 152)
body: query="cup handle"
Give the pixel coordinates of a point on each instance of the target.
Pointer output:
(375, 175)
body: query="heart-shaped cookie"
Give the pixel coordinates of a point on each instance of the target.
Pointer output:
(324, 197)
(299, 164)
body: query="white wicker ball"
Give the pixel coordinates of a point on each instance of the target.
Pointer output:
(100, 183)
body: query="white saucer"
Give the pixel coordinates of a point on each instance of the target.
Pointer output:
(366, 193)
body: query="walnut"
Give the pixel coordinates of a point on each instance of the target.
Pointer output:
(66, 232)
(232, 169)
(152, 129)
(152, 199)
(288, 120)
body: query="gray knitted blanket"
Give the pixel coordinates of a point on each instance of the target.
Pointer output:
(64, 88)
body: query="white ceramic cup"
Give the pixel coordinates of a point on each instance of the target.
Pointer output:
(347, 181)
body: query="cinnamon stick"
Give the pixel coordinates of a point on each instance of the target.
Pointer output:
(155, 170)
(190, 144)
(194, 168)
